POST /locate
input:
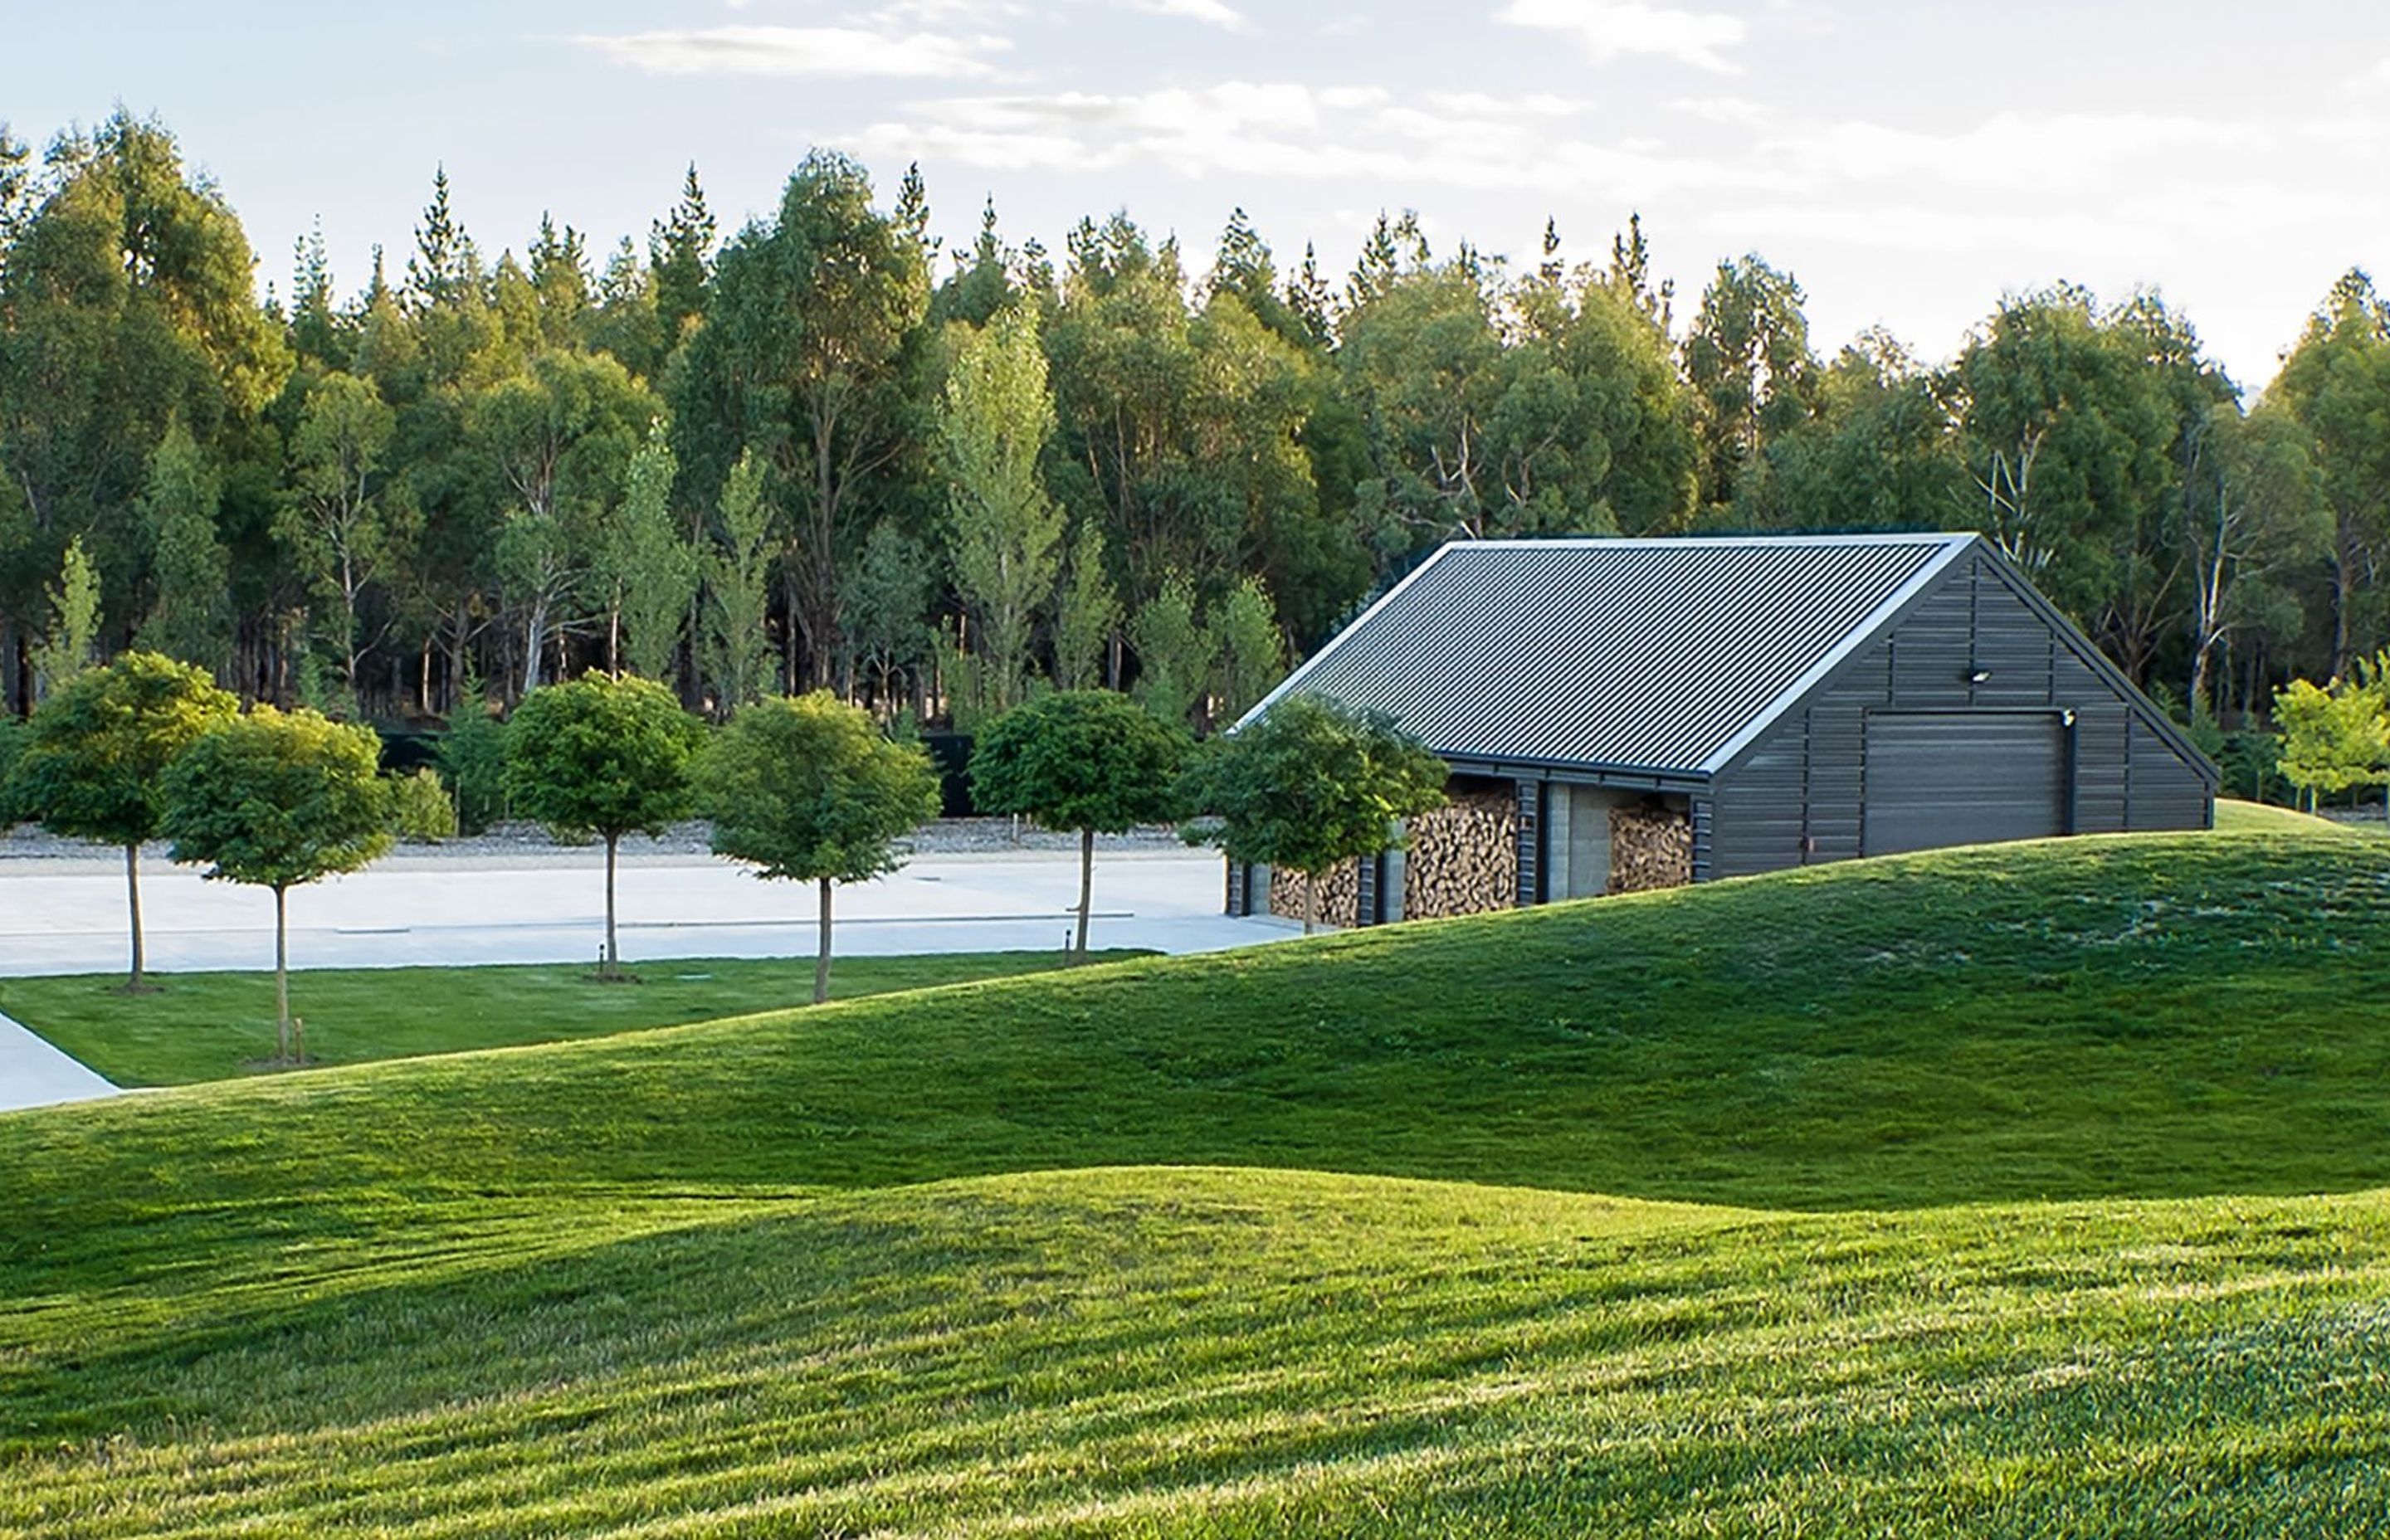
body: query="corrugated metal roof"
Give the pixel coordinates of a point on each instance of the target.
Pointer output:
(1659, 656)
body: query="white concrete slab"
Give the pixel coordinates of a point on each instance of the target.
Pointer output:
(32, 1073)
(70, 918)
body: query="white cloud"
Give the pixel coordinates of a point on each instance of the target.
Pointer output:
(1608, 28)
(2009, 151)
(1213, 11)
(829, 52)
(1729, 111)
(1283, 129)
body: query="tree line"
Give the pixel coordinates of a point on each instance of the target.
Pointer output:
(820, 452)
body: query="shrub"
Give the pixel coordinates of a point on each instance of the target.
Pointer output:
(473, 756)
(12, 743)
(421, 807)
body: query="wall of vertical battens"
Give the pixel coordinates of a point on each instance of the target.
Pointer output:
(1798, 795)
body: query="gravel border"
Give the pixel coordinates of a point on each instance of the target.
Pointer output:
(529, 844)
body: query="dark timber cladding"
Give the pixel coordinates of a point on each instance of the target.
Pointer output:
(1785, 699)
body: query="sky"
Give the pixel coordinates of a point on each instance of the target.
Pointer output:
(1908, 162)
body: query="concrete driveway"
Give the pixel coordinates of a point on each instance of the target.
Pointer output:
(32, 1073)
(68, 917)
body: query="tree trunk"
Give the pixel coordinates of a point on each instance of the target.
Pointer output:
(282, 973)
(2344, 595)
(821, 956)
(532, 630)
(613, 958)
(133, 904)
(1087, 885)
(1311, 902)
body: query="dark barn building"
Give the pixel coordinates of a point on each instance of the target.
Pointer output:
(1633, 714)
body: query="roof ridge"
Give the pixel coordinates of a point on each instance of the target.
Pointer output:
(1712, 542)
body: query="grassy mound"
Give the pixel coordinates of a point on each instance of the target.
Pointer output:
(2171, 1017)
(880, 1269)
(2233, 817)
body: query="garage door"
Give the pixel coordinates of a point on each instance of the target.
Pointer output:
(1963, 779)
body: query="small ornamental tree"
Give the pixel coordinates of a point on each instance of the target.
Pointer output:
(2334, 736)
(602, 754)
(809, 789)
(277, 801)
(96, 752)
(1092, 761)
(1313, 784)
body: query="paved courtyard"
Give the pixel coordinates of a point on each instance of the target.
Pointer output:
(68, 917)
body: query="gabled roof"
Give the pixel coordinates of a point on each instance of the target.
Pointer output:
(1654, 656)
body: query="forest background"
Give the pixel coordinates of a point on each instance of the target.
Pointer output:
(822, 451)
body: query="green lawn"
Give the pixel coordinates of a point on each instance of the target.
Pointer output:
(2233, 817)
(212, 1026)
(1955, 1195)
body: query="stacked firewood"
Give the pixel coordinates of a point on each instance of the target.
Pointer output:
(1340, 894)
(1463, 858)
(1649, 847)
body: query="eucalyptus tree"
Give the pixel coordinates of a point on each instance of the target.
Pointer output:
(2336, 383)
(2066, 436)
(1879, 451)
(1750, 373)
(2256, 512)
(341, 525)
(127, 304)
(555, 442)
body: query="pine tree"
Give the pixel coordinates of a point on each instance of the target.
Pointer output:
(912, 217)
(1375, 272)
(559, 273)
(442, 260)
(1308, 295)
(1243, 264)
(680, 251)
(1630, 274)
(316, 324)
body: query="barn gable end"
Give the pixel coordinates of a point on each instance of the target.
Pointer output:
(1798, 793)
